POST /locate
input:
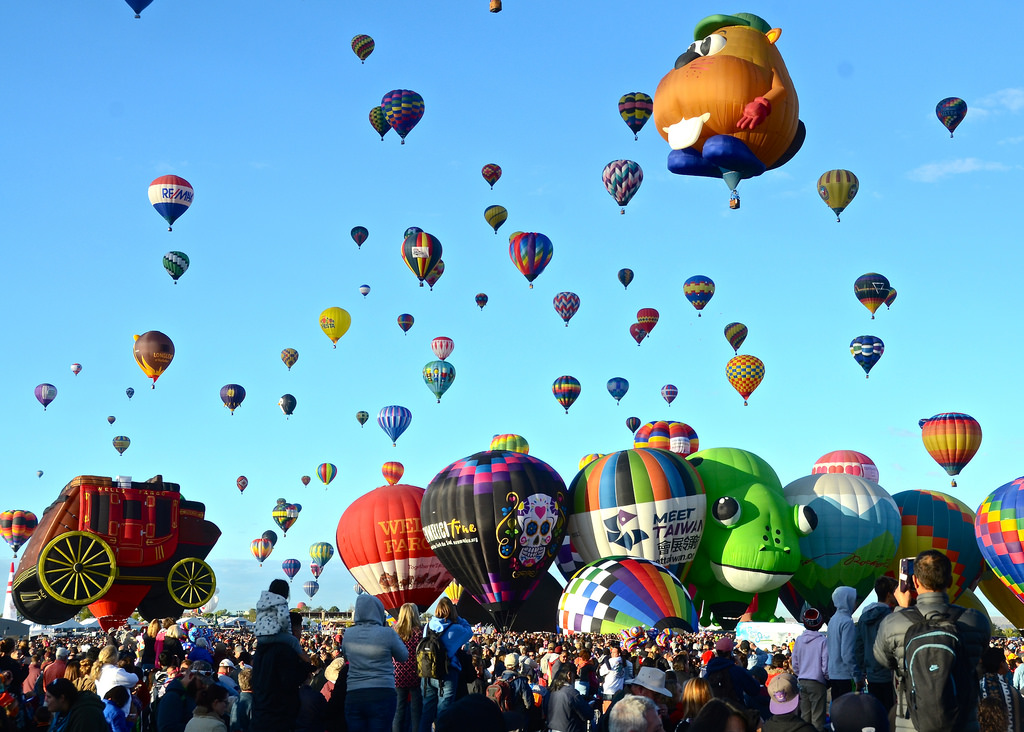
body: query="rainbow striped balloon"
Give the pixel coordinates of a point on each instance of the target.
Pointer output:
(530, 253)
(952, 439)
(566, 390)
(677, 437)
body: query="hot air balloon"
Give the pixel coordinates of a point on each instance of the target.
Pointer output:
(736, 333)
(260, 549)
(625, 277)
(233, 395)
(491, 173)
(496, 521)
(291, 568)
(171, 196)
(669, 392)
(617, 387)
(442, 347)
(622, 178)
(632, 424)
(481, 300)
(380, 540)
(138, 6)
(326, 472)
(618, 592)
(364, 290)
(362, 46)
(289, 356)
(588, 459)
(121, 443)
(403, 109)
(321, 553)
(438, 376)
(311, 587)
(837, 189)
(362, 417)
(744, 373)
(39, 473)
(335, 322)
(153, 352)
(392, 472)
(866, 351)
(379, 122)
(495, 216)
(998, 527)
(285, 514)
(111, 419)
(890, 298)
(647, 318)
(394, 420)
(699, 290)
(16, 527)
(850, 462)
(271, 536)
(76, 368)
(46, 393)
(635, 109)
(359, 235)
(566, 305)
(315, 569)
(176, 264)
(510, 443)
(421, 251)
(952, 439)
(530, 253)
(677, 437)
(638, 332)
(287, 403)
(304, 480)
(566, 390)
(405, 322)
(951, 112)
(642, 503)
(871, 289)
(242, 482)
(434, 274)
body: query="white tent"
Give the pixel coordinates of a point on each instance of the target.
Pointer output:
(67, 625)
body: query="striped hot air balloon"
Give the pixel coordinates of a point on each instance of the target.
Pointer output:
(392, 471)
(636, 108)
(530, 253)
(622, 179)
(566, 390)
(326, 472)
(677, 437)
(394, 420)
(510, 442)
(171, 196)
(837, 189)
(362, 46)
(699, 290)
(566, 305)
(952, 439)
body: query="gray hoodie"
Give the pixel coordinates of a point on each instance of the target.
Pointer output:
(842, 636)
(370, 645)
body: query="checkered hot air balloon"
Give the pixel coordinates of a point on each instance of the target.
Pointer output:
(744, 373)
(952, 439)
(379, 122)
(403, 109)
(622, 178)
(999, 527)
(951, 112)
(289, 356)
(669, 392)
(699, 290)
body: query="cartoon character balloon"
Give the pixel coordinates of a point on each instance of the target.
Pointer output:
(335, 322)
(287, 402)
(171, 196)
(635, 108)
(17, 527)
(403, 109)
(951, 112)
(952, 439)
(850, 462)
(745, 374)
(866, 350)
(438, 376)
(566, 390)
(530, 253)
(153, 352)
(837, 189)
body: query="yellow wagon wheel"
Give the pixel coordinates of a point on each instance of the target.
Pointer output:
(77, 568)
(191, 582)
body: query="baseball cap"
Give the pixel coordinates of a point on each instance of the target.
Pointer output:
(227, 662)
(859, 713)
(785, 694)
(725, 645)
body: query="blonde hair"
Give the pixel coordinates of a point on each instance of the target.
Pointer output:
(408, 621)
(154, 628)
(173, 632)
(446, 610)
(696, 694)
(108, 656)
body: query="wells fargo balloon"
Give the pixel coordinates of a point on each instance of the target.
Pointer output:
(745, 374)
(242, 483)
(530, 253)
(491, 173)
(999, 527)
(951, 112)
(394, 420)
(635, 108)
(405, 322)
(736, 333)
(261, 549)
(362, 46)
(647, 318)
(496, 521)
(392, 472)
(509, 442)
(153, 352)
(434, 274)
(837, 189)
(617, 387)
(632, 424)
(566, 390)
(622, 179)
(171, 196)
(379, 122)
(321, 553)
(403, 109)
(638, 332)
(285, 514)
(620, 592)
(291, 568)
(677, 437)
(232, 395)
(438, 376)
(17, 527)
(640, 503)
(699, 290)
(625, 277)
(46, 393)
(495, 216)
(566, 305)
(421, 252)
(481, 299)
(866, 350)
(362, 417)
(669, 392)
(176, 264)
(326, 472)
(334, 322)
(442, 346)
(121, 443)
(359, 235)
(952, 439)
(380, 539)
(871, 289)
(850, 462)
(289, 356)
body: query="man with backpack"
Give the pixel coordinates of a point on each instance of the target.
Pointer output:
(934, 648)
(512, 693)
(726, 678)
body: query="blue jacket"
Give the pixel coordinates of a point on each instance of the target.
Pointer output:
(842, 636)
(453, 636)
(742, 681)
(871, 619)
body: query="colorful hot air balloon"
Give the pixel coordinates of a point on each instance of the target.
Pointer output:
(304, 480)
(491, 173)
(310, 587)
(951, 112)
(291, 568)
(315, 569)
(866, 351)
(481, 300)
(635, 109)
(362, 417)
(17, 527)
(647, 318)
(510, 443)
(530, 253)
(617, 593)
(171, 196)
(271, 536)
(625, 277)
(76, 368)
(495, 216)
(392, 472)
(438, 376)
(736, 333)
(871, 290)
(260, 549)
(434, 274)
(850, 462)
(233, 395)
(999, 528)
(677, 437)
(321, 553)
(617, 387)
(46, 393)
(153, 352)
(421, 252)
(111, 419)
(121, 443)
(622, 178)
(566, 390)
(176, 264)
(138, 6)
(359, 235)
(242, 483)
(130, 392)
(669, 392)
(588, 459)
(394, 420)
(837, 189)
(379, 122)
(638, 332)
(890, 298)
(566, 304)
(289, 356)
(744, 373)
(405, 322)
(362, 46)
(952, 439)
(699, 290)
(496, 521)
(632, 424)
(403, 109)
(326, 472)
(642, 503)
(442, 346)
(334, 322)
(285, 514)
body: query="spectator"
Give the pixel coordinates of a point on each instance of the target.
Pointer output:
(333, 690)
(474, 712)
(721, 715)
(114, 702)
(810, 665)
(225, 671)
(148, 660)
(857, 712)
(785, 706)
(179, 698)
(614, 672)
(241, 710)
(636, 714)
(34, 676)
(726, 679)
(200, 651)
(567, 711)
(211, 708)
(696, 694)
(407, 680)
(74, 710)
(172, 642)
(56, 669)
(878, 677)
(371, 646)
(272, 619)
(83, 681)
(438, 694)
(842, 641)
(993, 684)
(992, 716)
(107, 674)
(277, 672)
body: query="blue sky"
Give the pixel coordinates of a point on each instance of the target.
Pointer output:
(265, 110)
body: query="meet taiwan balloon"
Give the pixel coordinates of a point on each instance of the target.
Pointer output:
(405, 322)
(45, 394)
(635, 108)
(153, 352)
(176, 264)
(285, 514)
(509, 442)
(871, 290)
(850, 462)
(952, 439)
(669, 392)
(566, 390)
(495, 216)
(622, 179)
(17, 527)
(496, 521)
(359, 235)
(334, 322)
(951, 112)
(232, 395)
(617, 387)
(362, 46)
(261, 549)
(625, 277)
(289, 356)
(421, 252)
(866, 350)
(699, 290)
(379, 122)
(403, 109)
(326, 472)
(121, 443)
(736, 333)
(242, 483)
(480, 299)
(438, 376)
(491, 173)
(677, 437)
(291, 568)
(392, 472)
(394, 420)
(837, 189)
(321, 553)
(566, 305)
(745, 374)
(171, 196)
(530, 253)
(632, 424)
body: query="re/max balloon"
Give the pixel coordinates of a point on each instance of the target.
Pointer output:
(617, 387)
(530, 253)
(951, 112)
(392, 472)
(952, 439)
(153, 352)
(438, 376)
(421, 252)
(491, 173)
(403, 109)
(866, 351)
(699, 290)
(566, 305)
(335, 322)
(622, 179)
(566, 390)
(233, 395)
(394, 420)
(289, 356)
(176, 264)
(745, 374)
(379, 122)
(171, 196)
(871, 289)
(635, 108)
(837, 189)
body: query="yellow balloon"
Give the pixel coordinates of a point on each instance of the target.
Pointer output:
(335, 323)
(969, 599)
(1004, 600)
(453, 591)
(837, 189)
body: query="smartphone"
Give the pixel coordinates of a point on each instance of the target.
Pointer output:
(906, 572)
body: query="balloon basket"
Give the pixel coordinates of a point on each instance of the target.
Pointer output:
(494, 8)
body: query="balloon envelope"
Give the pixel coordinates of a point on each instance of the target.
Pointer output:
(438, 376)
(495, 216)
(153, 352)
(289, 356)
(362, 417)
(513, 443)
(530, 253)
(45, 393)
(952, 439)
(622, 179)
(242, 483)
(951, 112)
(632, 424)
(176, 264)
(566, 304)
(379, 122)
(287, 404)
(677, 437)
(491, 173)
(625, 277)
(736, 333)
(321, 553)
(871, 290)
(311, 587)
(669, 392)
(837, 189)
(359, 235)
(850, 462)
(334, 322)
(326, 472)
(566, 390)
(999, 526)
(394, 420)
(121, 443)
(442, 347)
(171, 196)
(745, 374)
(271, 536)
(291, 567)
(636, 108)
(261, 549)
(617, 387)
(17, 527)
(362, 46)
(866, 350)
(405, 322)
(421, 252)
(481, 300)
(232, 395)
(392, 472)
(403, 109)
(699, 290)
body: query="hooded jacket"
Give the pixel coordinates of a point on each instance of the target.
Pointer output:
(370, 645)
(871, 618)
(86, 714)
(810, 657)
(453, 637)
(271, 614)
(842, 636)
(742, 681)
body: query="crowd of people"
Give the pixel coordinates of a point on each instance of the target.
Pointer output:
(445, 675)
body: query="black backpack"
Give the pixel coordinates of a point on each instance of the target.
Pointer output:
(940, 690)
(431, 657)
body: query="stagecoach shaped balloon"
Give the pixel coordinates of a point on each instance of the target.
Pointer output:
(171, 196)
